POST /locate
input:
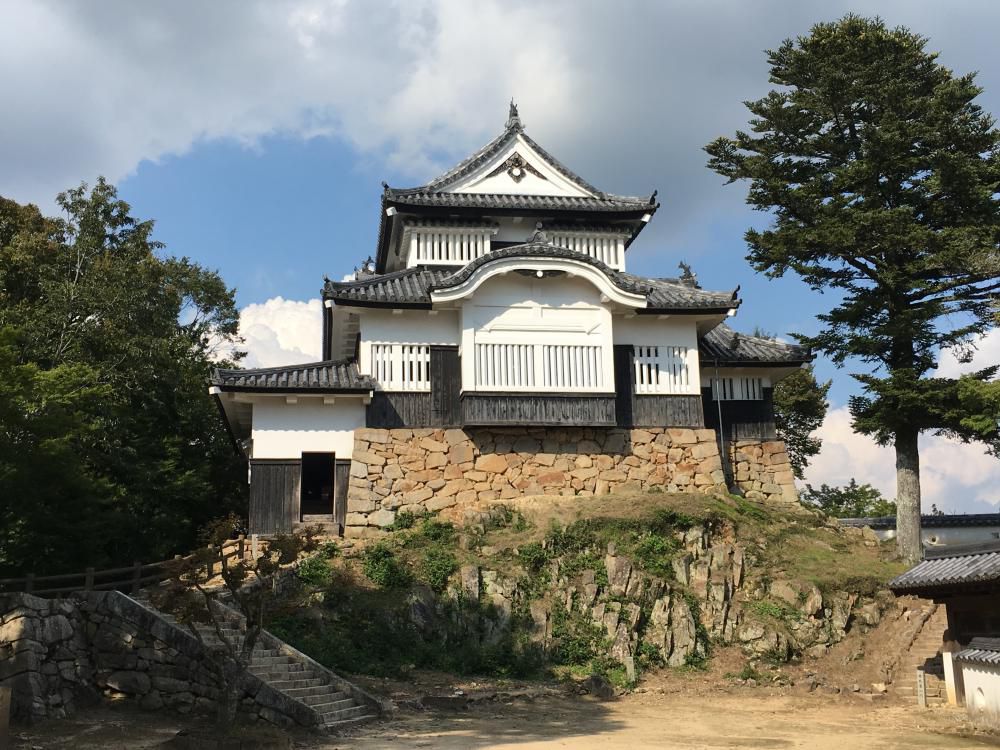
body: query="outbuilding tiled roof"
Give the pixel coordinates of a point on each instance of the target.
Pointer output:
(981, 651)
(325, 377)
(412, 287)
(927, 522)
(950, 567)
(728, 347)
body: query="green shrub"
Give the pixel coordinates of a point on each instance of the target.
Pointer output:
(314, 570)
(329, 550)
(438, 566)
(380, 565)
(406, 520)
(437, 531)
(533, 556)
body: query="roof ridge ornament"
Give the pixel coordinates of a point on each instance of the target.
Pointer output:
(513, 118)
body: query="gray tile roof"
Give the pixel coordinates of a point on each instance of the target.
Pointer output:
(724, 345)
(981, 651)
(412, 287)
(513, 202)
(948, 567)
(434, 195)
(324, 377)
(927, 522)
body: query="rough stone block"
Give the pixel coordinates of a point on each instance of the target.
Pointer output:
(492, 463)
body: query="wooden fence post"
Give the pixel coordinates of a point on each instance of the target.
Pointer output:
(29, 582)
(242, 544)
(88, 580)
(5, 693)
(136, 576)
(211, 562)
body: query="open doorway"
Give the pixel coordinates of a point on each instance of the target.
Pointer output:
(317, 484)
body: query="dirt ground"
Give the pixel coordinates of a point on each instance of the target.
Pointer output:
(737, 718)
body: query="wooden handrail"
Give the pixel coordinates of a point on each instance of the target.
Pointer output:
(132, 577)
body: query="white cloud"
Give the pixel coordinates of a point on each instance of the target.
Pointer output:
(985, 353)
(957, 477)
(282, 332)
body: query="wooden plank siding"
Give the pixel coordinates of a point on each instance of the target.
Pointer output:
(392, 409)
(742, 420)
(666, 411)
(496, 409)
(446, 387)
(275, 492)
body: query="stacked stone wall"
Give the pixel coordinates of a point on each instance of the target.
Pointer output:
(428, 470)
(58, 655)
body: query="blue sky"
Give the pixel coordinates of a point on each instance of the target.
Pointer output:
(257, 135)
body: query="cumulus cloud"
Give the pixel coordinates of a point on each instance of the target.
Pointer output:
(985, 353)
(630, 94)
(282, 332)
(956, 477)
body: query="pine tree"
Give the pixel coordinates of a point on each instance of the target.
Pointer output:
(882, 176)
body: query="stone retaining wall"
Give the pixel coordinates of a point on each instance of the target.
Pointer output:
(428, 470)
(56, 654)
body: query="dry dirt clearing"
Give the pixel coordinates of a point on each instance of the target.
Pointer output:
(738, 719)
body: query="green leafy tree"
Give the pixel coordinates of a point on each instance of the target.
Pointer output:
(799, 409)
(881, 174)
(853, 500)
(91, 293)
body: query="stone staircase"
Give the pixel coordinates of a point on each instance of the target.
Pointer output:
(336, 703)
(327, 521)
(924, 652)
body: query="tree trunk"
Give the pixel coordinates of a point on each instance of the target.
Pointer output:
(908, 497)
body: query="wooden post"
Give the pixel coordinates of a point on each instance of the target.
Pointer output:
(242, 544)
(254, 551)
(136, 575)
(921, 688)
(5, 693)
(29, 582)
(211, 562)
(88, 580)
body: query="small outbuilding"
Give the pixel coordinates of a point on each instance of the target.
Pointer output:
(966, 580)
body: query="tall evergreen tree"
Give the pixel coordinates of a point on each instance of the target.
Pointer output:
(799, 410)
(91, 299)
(882, 176)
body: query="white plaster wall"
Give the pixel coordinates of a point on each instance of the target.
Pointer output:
(652, 331)
(409, 327)
(283, 430)
(518, 309)
(982, 688)
(945, 536)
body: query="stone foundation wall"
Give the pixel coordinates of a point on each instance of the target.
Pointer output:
(58, 655)
(428, 470)
(761, 470)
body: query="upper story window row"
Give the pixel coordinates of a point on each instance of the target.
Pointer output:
(454, 245)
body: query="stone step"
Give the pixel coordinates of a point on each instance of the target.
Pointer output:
(263, 660)
(344, 713)
(333, 706)
(300, 694)
(270, 676)
(347, 723)
(282, 685)
(320, 699)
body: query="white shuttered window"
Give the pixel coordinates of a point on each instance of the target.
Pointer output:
(661, 369)
(402, 367)
(737, 389)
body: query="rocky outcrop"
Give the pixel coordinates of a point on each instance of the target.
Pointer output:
(426, 470)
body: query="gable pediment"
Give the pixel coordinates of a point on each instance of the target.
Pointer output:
(518, 169)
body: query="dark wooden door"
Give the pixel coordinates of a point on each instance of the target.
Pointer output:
(274, 495)
(446, 386)
(341, 481)
(624, 385)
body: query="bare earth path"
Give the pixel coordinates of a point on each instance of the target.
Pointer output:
(740, 719)
(658, 721)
